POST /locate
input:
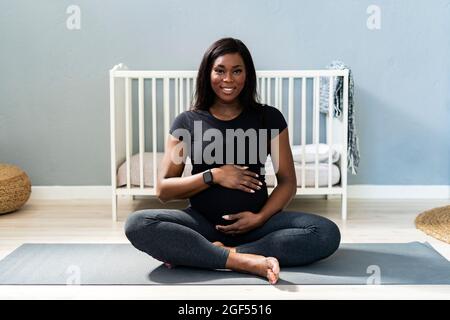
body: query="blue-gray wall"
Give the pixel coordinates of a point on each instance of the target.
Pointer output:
(54, 105)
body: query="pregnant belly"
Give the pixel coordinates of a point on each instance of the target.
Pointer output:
(217, 201)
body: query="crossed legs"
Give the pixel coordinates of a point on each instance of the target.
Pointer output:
(185, 237)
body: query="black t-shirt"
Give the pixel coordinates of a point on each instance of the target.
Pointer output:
(202, 130)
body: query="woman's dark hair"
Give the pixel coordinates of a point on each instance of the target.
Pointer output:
(204, 95)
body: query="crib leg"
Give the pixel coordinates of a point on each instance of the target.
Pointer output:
(114, 208)
(344, 206)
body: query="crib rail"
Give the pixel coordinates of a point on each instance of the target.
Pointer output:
(173, 91)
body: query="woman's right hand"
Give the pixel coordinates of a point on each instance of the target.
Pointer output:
(236, 177)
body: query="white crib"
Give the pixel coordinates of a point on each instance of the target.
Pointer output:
(171, 93)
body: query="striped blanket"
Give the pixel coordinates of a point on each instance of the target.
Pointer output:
(353, 141)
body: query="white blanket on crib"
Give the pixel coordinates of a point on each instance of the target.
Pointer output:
(310, 153)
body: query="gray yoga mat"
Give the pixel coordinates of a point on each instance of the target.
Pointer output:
(122, 264)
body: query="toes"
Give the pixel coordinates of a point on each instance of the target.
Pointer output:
(273, 278)
(275, 266)
(273, 271)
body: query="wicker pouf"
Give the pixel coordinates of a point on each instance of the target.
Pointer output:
(15, 188)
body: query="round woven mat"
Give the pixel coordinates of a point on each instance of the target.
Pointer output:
(435, 222)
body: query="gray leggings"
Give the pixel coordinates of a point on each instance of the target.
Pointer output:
(184, 237)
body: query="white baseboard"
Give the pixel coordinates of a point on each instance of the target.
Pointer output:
(398, 192)
(353, 192)
(71, 192)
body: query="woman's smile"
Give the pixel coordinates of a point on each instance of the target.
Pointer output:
(228, 90)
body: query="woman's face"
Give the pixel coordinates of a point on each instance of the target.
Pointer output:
(228, 77)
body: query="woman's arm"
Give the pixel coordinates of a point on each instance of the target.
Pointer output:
(171, 186)
(286, 179)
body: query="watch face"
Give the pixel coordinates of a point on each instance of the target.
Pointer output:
(208, 177)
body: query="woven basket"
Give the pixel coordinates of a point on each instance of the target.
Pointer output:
(435, 222)
(15, 188)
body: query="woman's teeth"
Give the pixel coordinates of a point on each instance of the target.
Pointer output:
(228, 90)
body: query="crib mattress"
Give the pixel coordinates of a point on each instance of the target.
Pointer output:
(270, 176)
(310, 175)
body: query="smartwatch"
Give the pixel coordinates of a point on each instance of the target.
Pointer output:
(208, 177)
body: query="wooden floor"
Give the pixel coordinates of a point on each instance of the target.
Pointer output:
(89, 221)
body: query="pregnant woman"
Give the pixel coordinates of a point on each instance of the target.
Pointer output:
(231, 222)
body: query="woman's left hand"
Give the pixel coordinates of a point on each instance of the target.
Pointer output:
(245, 221)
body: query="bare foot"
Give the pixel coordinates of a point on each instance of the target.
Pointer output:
(220, 244)
(267, 267)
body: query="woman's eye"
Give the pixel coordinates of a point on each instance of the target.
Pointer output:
(235, 71)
